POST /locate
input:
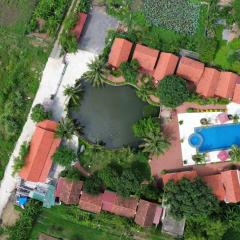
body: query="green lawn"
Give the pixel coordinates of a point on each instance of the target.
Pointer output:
(70, 223)
(21, 67)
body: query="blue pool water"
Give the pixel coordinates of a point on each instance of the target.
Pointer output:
(217, 137)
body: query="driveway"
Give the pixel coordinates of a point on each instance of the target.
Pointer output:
(96, 28)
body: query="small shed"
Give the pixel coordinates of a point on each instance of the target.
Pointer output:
(77, 30)
(91, 203)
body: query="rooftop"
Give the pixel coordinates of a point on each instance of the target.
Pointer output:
(190, 69)
(208, 82)
(166, 66)
(91, 203)
(77, 30)
(120, 52)
(226, 84)
(43, 145)
(147, 57)
(236, 95)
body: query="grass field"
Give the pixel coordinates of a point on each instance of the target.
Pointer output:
(21, 68)
(70, 223)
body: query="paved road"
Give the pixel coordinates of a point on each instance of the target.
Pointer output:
(51, 79)
(95, 31)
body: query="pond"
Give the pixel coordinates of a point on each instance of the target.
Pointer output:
(107, 115)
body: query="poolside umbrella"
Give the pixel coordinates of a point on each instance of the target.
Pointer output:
(222, 117)
(223, 155)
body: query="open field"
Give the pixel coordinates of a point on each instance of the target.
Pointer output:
(21, 67)
(70, 223)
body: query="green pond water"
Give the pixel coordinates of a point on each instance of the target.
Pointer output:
(107, 114)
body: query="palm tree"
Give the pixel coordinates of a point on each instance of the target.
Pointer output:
(235, 153)
(155, 144)
(65, 129)
(199, 158)
(96, 72)
(74, 93)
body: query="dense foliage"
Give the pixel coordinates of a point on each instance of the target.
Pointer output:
(130, 71)
(179, 15)
(93, 184)
(39, 113)
(236, 11)
(65, 129)
(51, 12)
(22, 229)
(207, 49)
(20, 160)
(71, 173)
(173, 91)
(191, 199)
(64, 156)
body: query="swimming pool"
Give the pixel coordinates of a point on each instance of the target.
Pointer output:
(217, 137)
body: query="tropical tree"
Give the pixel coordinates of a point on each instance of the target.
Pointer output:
(65, 129)
(235, 153)
(190, 199)
(96, 73)
(155, 144)
(64, 156)
(39, 113)
(74, 93)
(199, 158)
(173, 91)
(93, 184)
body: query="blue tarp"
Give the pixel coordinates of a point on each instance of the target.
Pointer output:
(22, 200)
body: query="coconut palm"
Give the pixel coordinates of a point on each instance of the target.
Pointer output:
(74, 93)
(155, 144)
(199, 158)
(96, 72)
(235, 153)
(65, 129)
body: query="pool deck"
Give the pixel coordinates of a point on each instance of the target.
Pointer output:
(171, 160)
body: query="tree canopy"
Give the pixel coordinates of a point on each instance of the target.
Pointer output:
(190, 198)
(64, 156)
(39, 113)
(173, 91)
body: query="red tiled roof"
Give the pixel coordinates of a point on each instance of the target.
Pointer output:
(190, 69)
(178, 176)
(120, 52)
(216, 185)
(43, 145)
(70, 191)
(236, 95)
(146, 212)
(231, 182)
(208, 82)
(158, 215)
(59, 186)
(166, 66)
(91, 203)
(147, 57)
(226, 84)
(77, 30)
(118, 205)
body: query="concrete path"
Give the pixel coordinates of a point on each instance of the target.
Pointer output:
(55, 77)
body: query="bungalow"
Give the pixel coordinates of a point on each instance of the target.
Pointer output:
(208, 82)
(118, 205)
(120, 52)
(226, 84)
(166, 66)
(68, 191)
(43, 145)
(190, 69)
(91, 203)
(147, 58)
(148, 213)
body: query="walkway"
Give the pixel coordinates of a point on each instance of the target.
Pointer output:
(51, 79)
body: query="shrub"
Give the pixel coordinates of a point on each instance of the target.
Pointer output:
(130, 71)
(196, 199)
(64, 156)
(93, 184)
(71, 173)
(178, 15)
(20, 160)
(150, 111)
(22, 229)
(39, 113)
(173, 91)
(207, 49)
(146, 126)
